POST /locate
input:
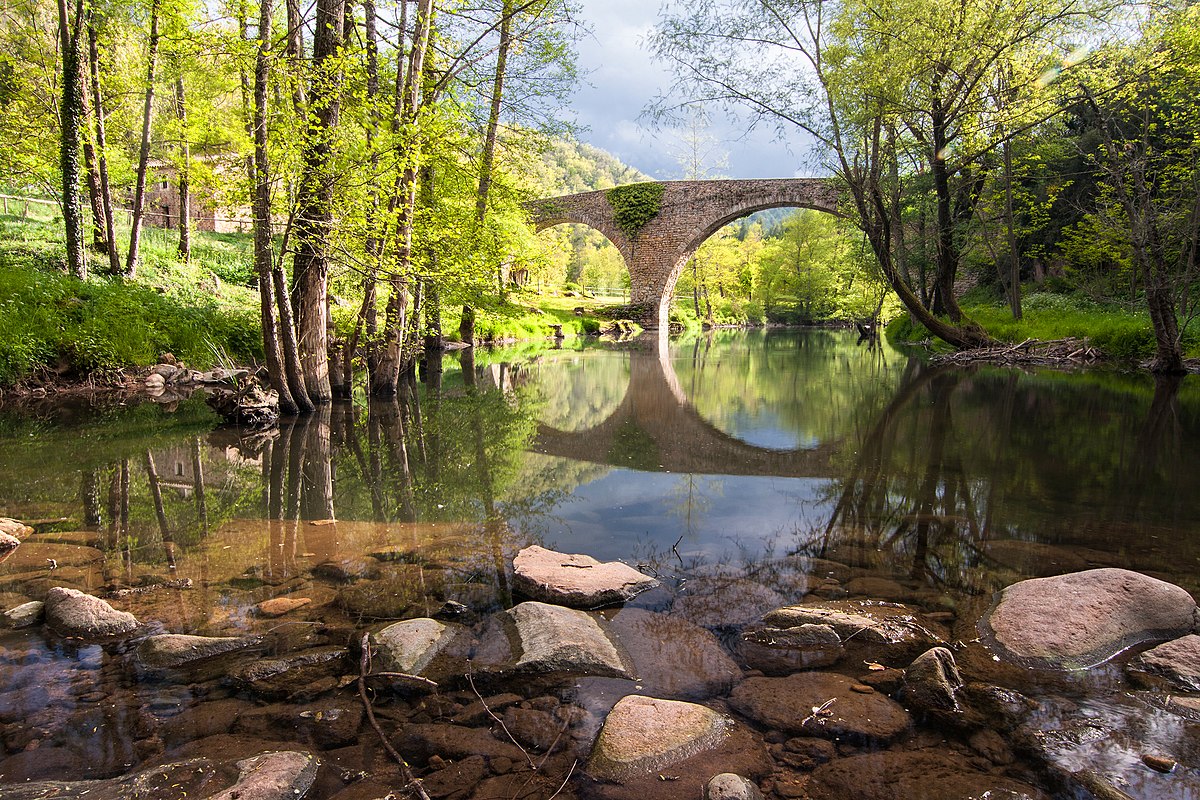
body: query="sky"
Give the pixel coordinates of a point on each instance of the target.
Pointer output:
(621, 79)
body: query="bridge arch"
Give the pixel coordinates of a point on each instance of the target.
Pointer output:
(689, 212)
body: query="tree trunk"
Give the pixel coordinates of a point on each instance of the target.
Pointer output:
(264, 254)
(314, 220)
(1014, 257)
(89, 160)
(71, 114)
(106, 201)
(392, 355)
(185, 158)
(139, 192)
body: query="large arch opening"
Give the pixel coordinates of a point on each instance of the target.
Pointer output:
(775, 262)
(580, 260)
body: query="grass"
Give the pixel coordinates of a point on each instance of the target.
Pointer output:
(1119, 333)
(50, 321)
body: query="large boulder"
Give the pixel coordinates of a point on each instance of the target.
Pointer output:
(575, 580)
(70, 612)
(1082, 619)
(541, 639)
(1174, 666)
(821, 704)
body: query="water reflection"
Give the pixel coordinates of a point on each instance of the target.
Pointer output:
(748, 470)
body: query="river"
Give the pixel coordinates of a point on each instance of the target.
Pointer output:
(734, 466)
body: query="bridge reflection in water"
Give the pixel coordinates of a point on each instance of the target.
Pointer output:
(656, 428)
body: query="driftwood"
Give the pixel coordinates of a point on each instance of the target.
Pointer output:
(1031, 352)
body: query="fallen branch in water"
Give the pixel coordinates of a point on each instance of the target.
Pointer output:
(364, 665)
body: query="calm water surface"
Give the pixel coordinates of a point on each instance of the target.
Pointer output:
(711, 461)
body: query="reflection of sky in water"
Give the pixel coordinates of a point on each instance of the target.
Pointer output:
(627, 513)
(765, 429)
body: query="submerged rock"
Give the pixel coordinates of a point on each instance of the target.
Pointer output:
(1082, 619)
(925, 774)
(575, 580)
(70, 612)
(286, 775)
(672, 657)
(1174, 665)
(173, 650)
(782, 651)
(293, 673)
(820, 704)
(892, 632)
(728, 786)
(278, 606)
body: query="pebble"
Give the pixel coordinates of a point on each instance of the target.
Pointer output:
(1158, 763)
(862, 688)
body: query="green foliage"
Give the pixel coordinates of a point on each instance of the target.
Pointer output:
(635, 205)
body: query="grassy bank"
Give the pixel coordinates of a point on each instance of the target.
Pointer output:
(1120, 333)
(55, 327)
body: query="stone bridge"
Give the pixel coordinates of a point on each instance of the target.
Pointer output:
(689, 212)
(657, 429)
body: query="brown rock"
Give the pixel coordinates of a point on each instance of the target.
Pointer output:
(788, 704)
(925, 774)
(1174, 665)
(278, 606)
(886, 631)
(1085, 618)
(782, 651)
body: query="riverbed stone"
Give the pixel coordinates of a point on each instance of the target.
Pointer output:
(932, 682)
(1083, 619)
(278, 606)
(927, 774)
(654, 749)
(26, 615)
(424, 647)
(782, 651)
(891, 633)
(673, 658)
(1034, 559)
(789, 704)
(394, 596)
(276, 678)
(554, 639)
(70, 612)
(728, 786)
(174, 650)
(51, 556)
(575, 580)
(645, 734)
(326, 724)
(284, 775)
(1174, 665)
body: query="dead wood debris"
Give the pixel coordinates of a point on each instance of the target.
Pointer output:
(1031, 352)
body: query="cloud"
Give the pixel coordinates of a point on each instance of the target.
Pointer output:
(622, 79)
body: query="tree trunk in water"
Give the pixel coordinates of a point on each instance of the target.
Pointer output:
(264, 253)
(139, 192)
(314, 220)
(185, 157)
(71, 116)
(106, 202)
